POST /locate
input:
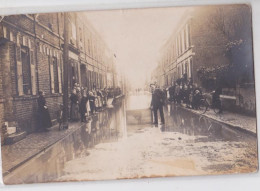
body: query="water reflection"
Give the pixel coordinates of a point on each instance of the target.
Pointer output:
(186, 122)
(110, 126)
(106, 126)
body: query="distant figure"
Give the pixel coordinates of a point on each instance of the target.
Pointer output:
(74, 109)
(171, 93)
(83, 107)
(104, 92)
(92, 102)
(44, 119)
(197, 95)
(216, 99)
(177, 93)
(99, 99)
(157, 104)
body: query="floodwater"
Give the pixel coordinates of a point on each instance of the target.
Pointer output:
(187, 144)
(120, 142)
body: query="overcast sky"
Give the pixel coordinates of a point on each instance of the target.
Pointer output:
(136, 37)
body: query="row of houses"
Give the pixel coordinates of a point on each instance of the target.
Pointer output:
(31, 59)
(212, 46)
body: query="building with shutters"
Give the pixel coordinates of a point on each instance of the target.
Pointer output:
(31, 59)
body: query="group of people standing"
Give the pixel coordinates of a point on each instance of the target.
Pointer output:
(185, 92)
(188, 93)
(84, 102)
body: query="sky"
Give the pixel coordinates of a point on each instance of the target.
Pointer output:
(136, 36)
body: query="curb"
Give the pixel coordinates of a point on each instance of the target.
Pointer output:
(40, 151)
(233, 126)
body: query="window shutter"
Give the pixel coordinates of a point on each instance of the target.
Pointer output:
(19, 71)
(20, 78)
(59, 75)
(51, 74)
(33, 75)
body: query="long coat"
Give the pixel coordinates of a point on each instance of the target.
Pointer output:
(44, 119)
(83, 105)
(74, 115)
(158, 98)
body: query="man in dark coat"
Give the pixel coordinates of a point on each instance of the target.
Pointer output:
(74, 109)
(171, 92)
(83, 107)
(44, 119)
(157, 104)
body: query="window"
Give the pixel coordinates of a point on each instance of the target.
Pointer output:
(188, 36)
(177, 45)
(182, 41)
(11, 37)
(80, 35)
(179, 71)
(18, 38)
(40, 48)
(186, 68)
(173, 52)
(5, 32)
(185, 39)
(73, 30)
(180, 44)
(94, 52)
(54, 73)
(190, 71)
(26, 71)
(24, 41)
(88, 46)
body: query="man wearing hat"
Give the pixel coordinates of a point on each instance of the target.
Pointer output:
(157, 103)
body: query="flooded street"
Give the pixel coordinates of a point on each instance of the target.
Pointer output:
(115, 146)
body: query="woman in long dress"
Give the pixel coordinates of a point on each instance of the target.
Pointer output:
(88, 104)
(74, 109)
(44, 119)
(99, 99)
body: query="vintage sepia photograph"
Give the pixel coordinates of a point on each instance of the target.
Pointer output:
(127, 94)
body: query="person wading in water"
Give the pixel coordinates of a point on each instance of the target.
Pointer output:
(157, 103)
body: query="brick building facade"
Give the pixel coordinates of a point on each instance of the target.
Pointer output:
(202, 40)
(31, 59)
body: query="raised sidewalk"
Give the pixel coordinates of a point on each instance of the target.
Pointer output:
(241, 122)
(20, 152)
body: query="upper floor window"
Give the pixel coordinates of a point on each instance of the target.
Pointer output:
(80, 35)
(26, 71)
(54, 74)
